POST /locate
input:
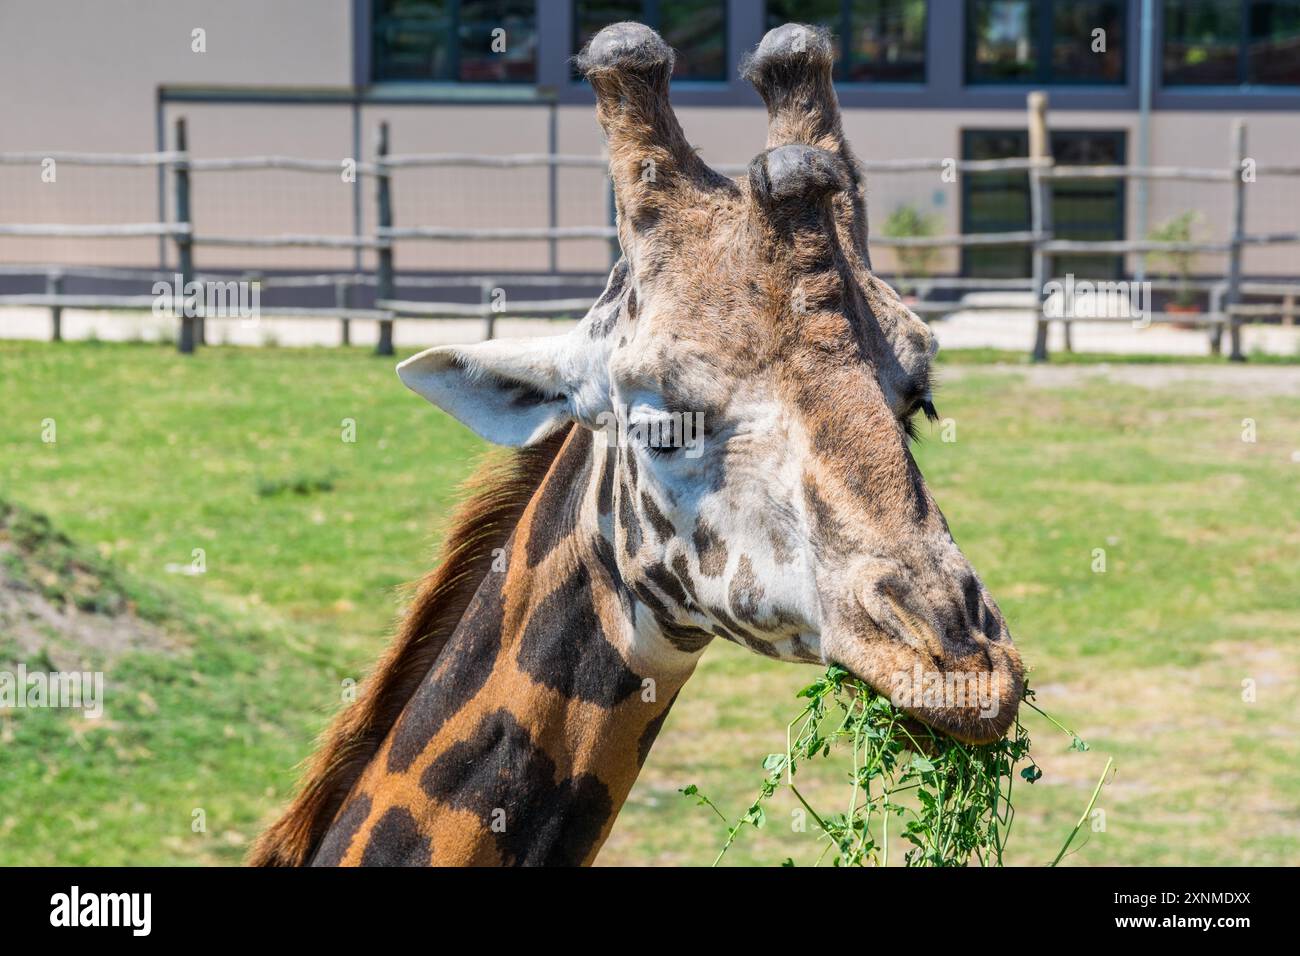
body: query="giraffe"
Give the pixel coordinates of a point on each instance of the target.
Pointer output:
(719, 449)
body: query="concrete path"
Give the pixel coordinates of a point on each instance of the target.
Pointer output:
(1012, 329)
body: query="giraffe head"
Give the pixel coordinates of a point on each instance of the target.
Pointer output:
(755, 384)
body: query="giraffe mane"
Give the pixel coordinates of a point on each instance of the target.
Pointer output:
(482, 523)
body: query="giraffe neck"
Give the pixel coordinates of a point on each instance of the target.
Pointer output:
(526, 736)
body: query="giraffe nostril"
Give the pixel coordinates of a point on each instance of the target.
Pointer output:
(974, 601)
(992, 623)
(889, 609)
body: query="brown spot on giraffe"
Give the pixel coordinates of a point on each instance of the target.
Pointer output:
(510, 719)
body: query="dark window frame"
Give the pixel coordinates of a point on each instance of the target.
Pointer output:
(651, 18)
(1119, 136)
(454, 53)
(1245, 8)
(1044, 36)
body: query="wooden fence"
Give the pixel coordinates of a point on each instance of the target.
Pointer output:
(1228, 311)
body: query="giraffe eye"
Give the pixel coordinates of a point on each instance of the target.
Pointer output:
(663, 435)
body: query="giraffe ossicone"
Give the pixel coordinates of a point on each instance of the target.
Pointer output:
(510, 719)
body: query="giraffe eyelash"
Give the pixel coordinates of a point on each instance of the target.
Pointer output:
(658, 451)
(925, 405)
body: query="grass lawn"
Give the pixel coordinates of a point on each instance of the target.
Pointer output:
(306, 539)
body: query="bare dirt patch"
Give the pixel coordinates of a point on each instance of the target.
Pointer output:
(63, 606)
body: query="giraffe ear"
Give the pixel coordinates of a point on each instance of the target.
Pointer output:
(512, 391)
(518, 391)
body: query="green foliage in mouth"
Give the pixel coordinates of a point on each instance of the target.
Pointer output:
(943, 802)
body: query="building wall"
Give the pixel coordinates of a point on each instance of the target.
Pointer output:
(84, 76)
(100, 95)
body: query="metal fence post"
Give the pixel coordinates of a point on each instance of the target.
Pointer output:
(489, 317)
(189, 338)
(611, 215)
(342, 290)
(54, 287)
(552, 184)
(1235, 243)
(1040, 210)
(384, 215)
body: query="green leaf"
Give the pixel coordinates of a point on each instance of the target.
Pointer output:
(774, 762)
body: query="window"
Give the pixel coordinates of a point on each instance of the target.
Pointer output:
(1084, 209)
(1045, 41)
(880, 41)
(695, 29)
(455, 41)
(1232, 42)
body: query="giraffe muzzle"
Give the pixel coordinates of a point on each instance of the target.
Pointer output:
(954, 669)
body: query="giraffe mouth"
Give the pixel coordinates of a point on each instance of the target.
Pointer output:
(973, 698)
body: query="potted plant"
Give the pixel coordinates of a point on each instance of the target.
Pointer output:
(1180, 228)
(914, 262)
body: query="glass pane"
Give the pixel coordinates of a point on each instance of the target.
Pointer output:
(514, 59)
(1202, 42)
(996, 202)
(822, 13)
(697, 30)
(411, 40)
(1079, 53)
(1088, 209)
(1000, 40)
(888, 41)
(1274, 55)
(591, 16)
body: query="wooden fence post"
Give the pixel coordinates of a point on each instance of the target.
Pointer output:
(1235, 243)
(384, 215)
(342, 290)
(54, 286)
(189, 337)
(1040, 209)
(1217, 293)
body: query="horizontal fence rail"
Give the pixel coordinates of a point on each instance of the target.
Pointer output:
(1227, 311)
(292, 163)
(120, 230)
(91, 159)
(498, 234)
(1186, 174)
(475, 160)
